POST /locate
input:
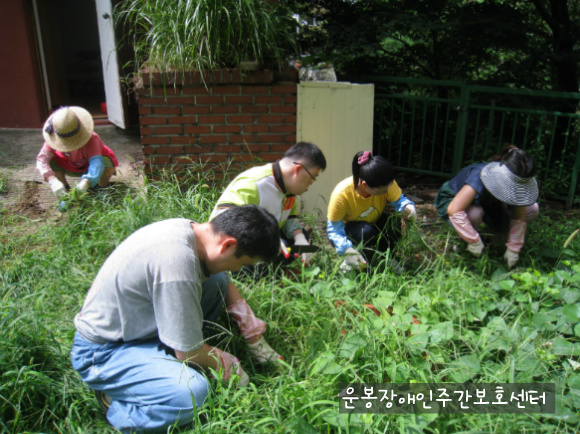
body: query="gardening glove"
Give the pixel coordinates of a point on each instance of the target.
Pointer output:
(300, 240)
(410, 213)
(475, 248)
(57, 187)
(511, 258)
(243, 315)
(353, 260)
(83, 186)
(231, 365)
(262, 352)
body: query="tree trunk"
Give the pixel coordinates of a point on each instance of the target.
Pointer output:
(565, 60)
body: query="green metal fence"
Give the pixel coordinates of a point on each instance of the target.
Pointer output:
(437, 127)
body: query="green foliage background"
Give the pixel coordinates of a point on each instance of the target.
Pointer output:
(531, 44)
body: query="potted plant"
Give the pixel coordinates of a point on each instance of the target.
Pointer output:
(201, 35)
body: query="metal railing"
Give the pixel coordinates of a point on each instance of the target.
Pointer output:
(437, 127)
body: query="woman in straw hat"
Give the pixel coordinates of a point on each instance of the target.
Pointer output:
(72, 148)
(502, 194)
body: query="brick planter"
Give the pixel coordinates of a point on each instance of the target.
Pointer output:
(234, 121)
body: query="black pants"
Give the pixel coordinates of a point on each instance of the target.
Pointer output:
(378, 237)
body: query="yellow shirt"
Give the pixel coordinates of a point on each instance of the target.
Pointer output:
(347, 205)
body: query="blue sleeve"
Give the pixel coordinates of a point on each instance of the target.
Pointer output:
(401, 203)
(96, 169)
(337, 235)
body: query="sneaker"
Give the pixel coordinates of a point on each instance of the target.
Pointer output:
(104, 400)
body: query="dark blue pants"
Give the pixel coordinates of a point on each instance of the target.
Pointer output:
(378, 237)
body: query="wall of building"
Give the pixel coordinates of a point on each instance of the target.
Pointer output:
(21, 97)
(233, 121)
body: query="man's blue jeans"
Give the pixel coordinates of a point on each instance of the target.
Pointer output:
(150, 389)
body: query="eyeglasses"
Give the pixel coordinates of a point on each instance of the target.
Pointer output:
(304, 167)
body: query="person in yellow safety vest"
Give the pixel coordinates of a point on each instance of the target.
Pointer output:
(274, 187)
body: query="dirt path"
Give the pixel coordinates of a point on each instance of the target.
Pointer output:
(28, 194)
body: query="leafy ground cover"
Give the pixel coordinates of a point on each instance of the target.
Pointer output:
(454, 319)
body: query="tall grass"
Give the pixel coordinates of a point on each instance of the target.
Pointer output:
(170, 35)
(454, 319)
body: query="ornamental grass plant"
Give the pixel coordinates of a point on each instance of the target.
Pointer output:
(198, 35)
(448, 318)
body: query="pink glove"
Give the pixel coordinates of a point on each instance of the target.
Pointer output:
(230, 365)
(516, 236)
(464, 228)
(250, 326)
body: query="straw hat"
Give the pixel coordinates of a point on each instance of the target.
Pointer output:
(507, 187)
(68, 129)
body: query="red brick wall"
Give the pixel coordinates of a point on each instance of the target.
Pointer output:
(236, 121)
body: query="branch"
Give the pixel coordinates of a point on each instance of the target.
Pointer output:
(552, 23)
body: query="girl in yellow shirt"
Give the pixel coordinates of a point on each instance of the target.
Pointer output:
(355, 211)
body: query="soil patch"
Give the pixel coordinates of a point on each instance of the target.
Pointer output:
(137, 162)
(28, 204)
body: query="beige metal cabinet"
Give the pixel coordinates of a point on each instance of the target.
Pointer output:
(338, 118)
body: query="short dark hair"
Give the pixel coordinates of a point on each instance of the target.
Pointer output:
(254, 228)
(376, 171)
(517, 161)
(308, 152)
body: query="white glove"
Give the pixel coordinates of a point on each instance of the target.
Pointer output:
(231, 365)
(475, 248)
(353, 260)
(57, 187)
(262, 352)
(410, 212)
(83, 186)
(511, 257)
(300, 240)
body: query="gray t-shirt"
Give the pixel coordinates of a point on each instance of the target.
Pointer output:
(149, 286)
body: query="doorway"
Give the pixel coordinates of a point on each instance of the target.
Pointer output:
(69, 39)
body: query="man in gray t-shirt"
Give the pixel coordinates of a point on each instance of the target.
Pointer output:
(145, 312)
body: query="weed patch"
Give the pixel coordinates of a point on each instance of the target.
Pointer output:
(447, 318)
